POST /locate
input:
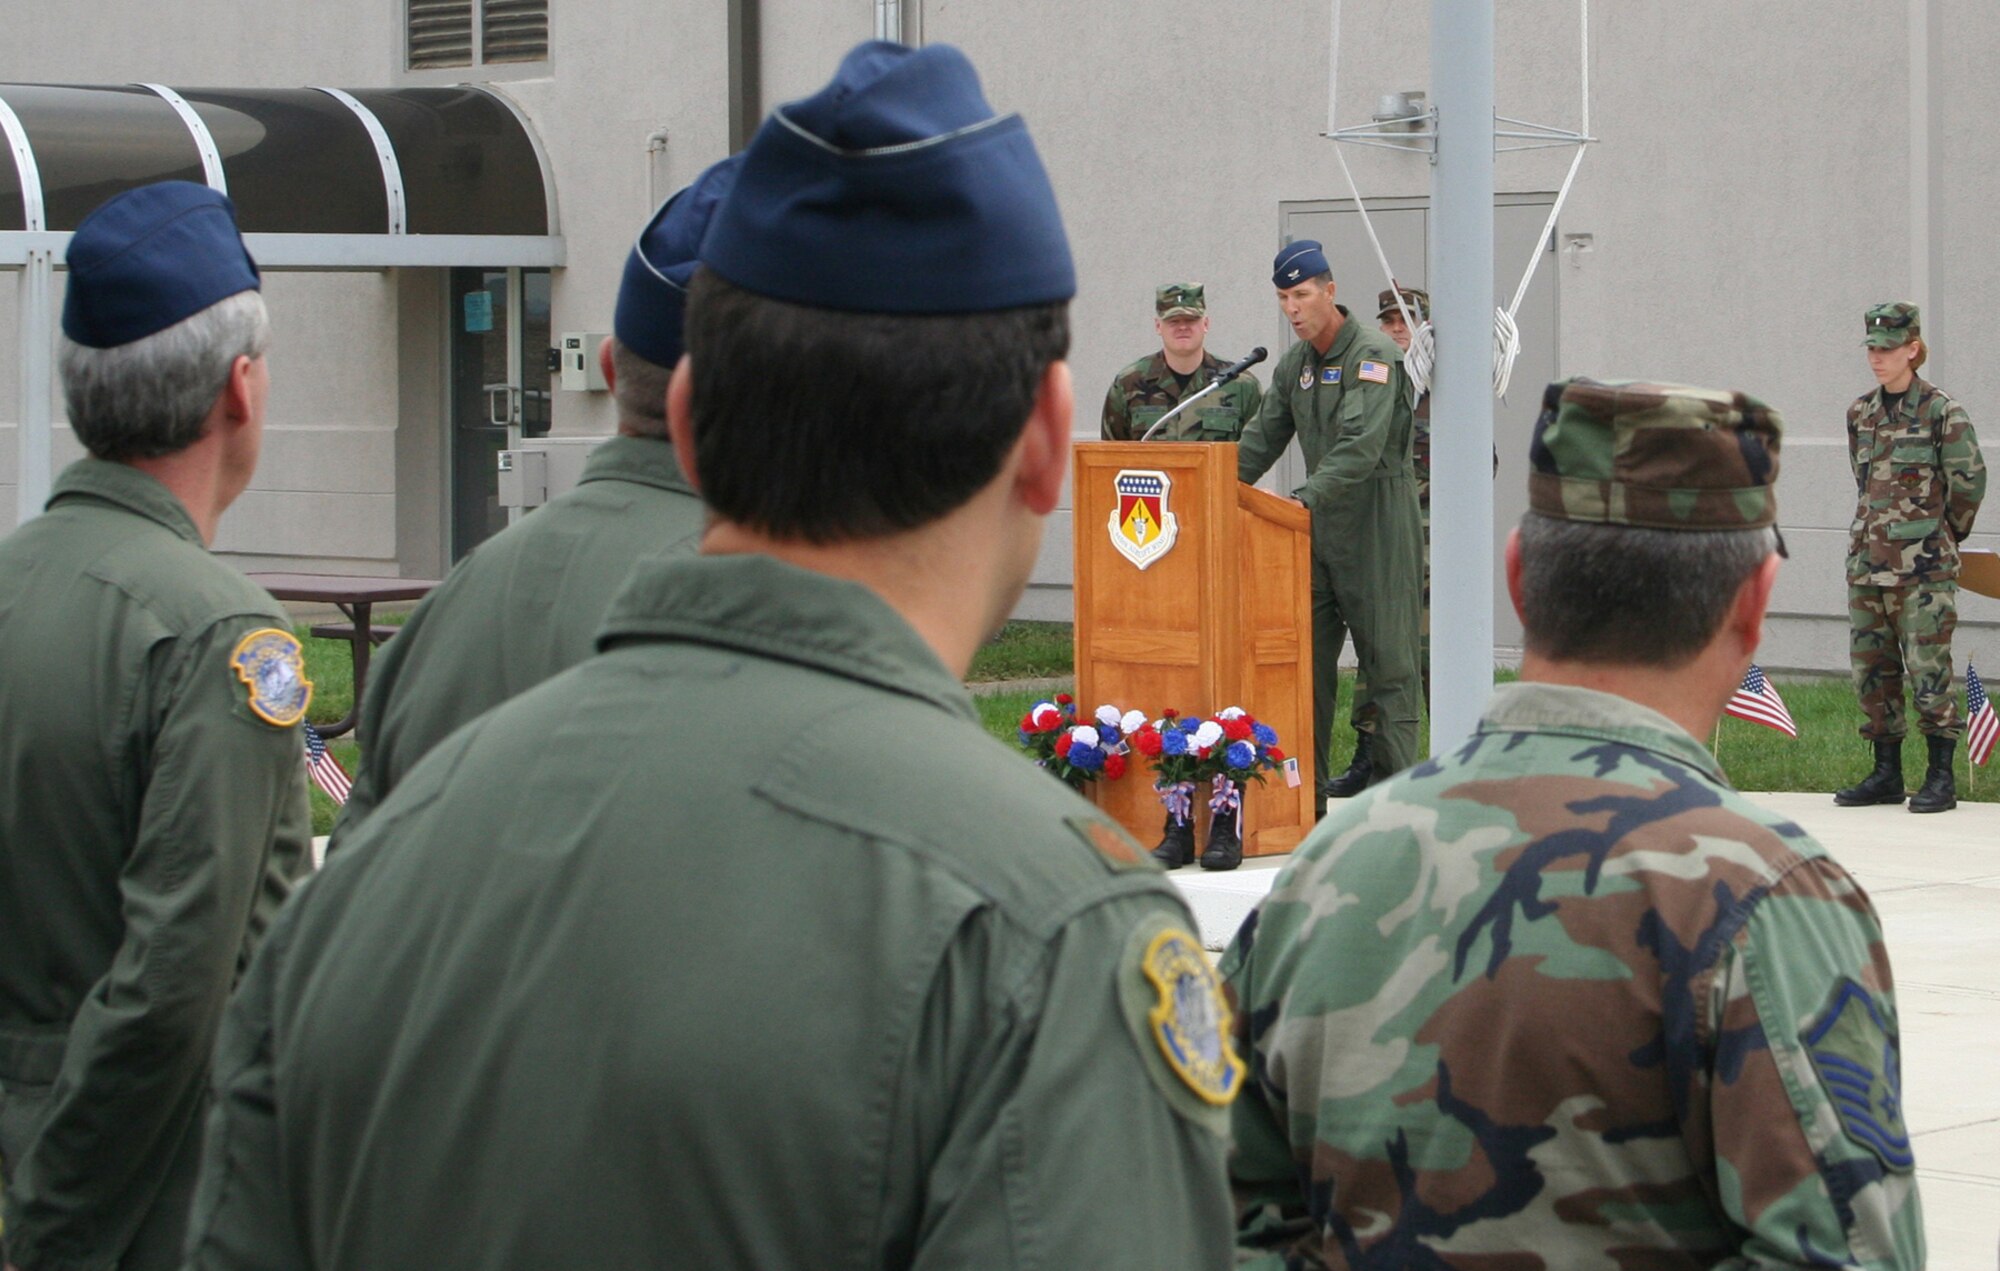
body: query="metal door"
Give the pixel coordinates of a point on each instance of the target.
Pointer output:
(499, 388)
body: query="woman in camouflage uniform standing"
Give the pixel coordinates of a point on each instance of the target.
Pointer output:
(1918, 479)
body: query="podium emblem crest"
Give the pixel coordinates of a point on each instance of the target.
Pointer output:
(1143, 527)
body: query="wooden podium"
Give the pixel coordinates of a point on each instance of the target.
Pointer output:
(1202, 601)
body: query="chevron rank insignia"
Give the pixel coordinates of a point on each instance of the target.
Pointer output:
(1859, 1061)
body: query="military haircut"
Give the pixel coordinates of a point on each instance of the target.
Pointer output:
(149, 397)
(639, 386)
(833, 426)
(1626, 594)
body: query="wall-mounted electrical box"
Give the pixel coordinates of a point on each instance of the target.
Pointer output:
(524, 478)
(581, 371)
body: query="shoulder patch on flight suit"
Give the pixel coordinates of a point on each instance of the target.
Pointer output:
(1859, 1063)
(272, 666)
(1329, 375)
(1373, 372)
(1175, 1007)
(1119, 850)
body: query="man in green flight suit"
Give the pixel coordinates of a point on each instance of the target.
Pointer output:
(1918, 482)
(741, 944)
(152, 780)
(529, 601)
(1342, 392)
(1560, 996)
(1145, 391)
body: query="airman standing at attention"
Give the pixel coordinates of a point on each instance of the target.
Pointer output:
(1146, 390)
(152, 774)
(1559, 996)
(741, 944)
(1918, 480)
(528, 602)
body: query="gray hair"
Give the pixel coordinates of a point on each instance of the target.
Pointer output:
(640, 388)
(1625, 595)
(149, 398)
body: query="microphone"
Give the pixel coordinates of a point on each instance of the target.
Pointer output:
(1241, 365)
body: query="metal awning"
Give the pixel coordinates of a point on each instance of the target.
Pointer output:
(322, 178)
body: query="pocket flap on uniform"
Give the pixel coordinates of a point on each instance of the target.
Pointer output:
(1913, 529)
(1912, 452)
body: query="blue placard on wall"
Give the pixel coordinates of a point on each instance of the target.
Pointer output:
(478, 311)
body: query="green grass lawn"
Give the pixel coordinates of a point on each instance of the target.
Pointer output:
(330, 667)
(1023, 651)
(1827, 754)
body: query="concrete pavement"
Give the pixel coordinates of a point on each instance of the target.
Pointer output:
(1935, 880)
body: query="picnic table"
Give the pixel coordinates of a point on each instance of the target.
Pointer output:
(356, 597)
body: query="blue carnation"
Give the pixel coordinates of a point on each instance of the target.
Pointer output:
(1088, 758)
(1241, 754)
(1265, 734)
(1173, 742)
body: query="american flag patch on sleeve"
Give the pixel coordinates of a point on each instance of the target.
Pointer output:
(1374, 372)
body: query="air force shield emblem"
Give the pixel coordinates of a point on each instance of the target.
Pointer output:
(1142, 527)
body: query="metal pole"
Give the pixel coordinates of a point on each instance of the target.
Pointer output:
(37, 354)
(1462, 548)
(1926, 170)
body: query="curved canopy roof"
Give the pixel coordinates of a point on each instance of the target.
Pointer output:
(321, 177)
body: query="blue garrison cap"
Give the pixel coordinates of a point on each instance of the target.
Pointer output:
(1297, 262)
(894, 189)
(652, 300)
(149, 257)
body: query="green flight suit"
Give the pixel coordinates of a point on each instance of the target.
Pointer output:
(738, 945)
(523, 606)
(1146, 390)
(150, 824)
(1350, 410)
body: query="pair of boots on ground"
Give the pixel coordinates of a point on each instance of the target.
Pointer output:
(1939, 793)
(1225, 842)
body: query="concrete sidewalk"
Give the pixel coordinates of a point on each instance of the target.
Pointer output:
(1935, 880)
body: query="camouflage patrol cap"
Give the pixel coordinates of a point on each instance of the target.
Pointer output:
(1180, 300)
(1419, 302)
(1657, 456)
(1891, 325)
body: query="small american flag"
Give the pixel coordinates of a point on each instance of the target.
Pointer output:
(324, 769)
(1981, 726)
(1756, 701)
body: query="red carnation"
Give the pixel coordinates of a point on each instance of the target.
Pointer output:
(1028, 723)
(1235, 729)
(1062, 746)
(1064, 699)
(1147, 741)
(1114, 767)
(1275, 755)
(1170, 714)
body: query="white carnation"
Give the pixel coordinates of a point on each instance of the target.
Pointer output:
(1083, 735)
(1208, 734)
(1133, 722)
(1108, 716)
(1231, 712)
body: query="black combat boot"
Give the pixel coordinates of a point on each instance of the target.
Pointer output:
(1939, 792)
(1225, 842)
(1358, 776)
(1177, 844)
(1884, 785)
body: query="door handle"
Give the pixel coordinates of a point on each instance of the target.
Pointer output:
(503, 405)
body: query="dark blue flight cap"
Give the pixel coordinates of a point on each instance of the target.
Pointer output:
(652, 300)
(1297, 262)
(149, 257)
(894, 189)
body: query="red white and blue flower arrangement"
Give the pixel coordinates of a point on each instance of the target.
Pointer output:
(1076, 753)
(1225, 750)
